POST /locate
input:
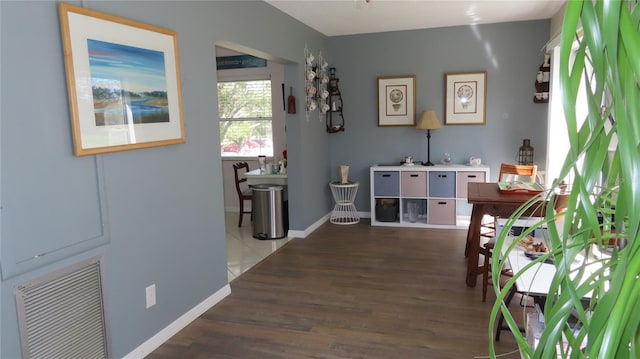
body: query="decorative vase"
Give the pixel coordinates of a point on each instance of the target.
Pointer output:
(344, 173)
(446, 159)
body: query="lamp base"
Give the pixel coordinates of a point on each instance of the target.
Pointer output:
(429, 163)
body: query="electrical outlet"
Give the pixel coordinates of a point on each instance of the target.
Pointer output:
(151, 295)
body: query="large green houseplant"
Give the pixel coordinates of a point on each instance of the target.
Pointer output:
(604, 200)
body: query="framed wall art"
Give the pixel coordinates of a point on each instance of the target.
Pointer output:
(465, 98)
(397, 100)
(123, 82)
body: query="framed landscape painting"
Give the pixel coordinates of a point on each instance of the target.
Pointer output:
(397, 100)
(123, 82)
(465, 98)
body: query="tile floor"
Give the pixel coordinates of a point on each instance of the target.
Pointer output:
(244, 251)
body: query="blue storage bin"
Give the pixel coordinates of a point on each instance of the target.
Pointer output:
(442, 184)
(386, 183)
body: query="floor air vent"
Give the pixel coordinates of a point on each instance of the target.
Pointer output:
(61, 315)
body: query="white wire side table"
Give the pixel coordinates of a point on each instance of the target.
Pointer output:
(344, 194)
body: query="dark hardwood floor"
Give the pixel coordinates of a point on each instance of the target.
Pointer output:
(350, 292)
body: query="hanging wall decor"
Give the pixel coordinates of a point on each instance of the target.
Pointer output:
(542, 81)
(316, 81)
(397, 100)
(123, 81)
(334, 117)
(465, 98)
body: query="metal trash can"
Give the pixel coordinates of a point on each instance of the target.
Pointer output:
(268, 211)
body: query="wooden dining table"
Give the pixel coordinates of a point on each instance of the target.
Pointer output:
(487, 199)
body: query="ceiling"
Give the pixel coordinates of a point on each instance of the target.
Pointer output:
(349, 17)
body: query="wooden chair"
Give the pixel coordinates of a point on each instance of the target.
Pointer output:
(508, 172)
(239, 168)
(516, 172)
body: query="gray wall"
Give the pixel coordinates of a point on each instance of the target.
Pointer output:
(510, 53)
(155, 215)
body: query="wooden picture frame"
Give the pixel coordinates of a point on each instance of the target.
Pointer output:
(123, 82)
(465, 98)
(397, 100)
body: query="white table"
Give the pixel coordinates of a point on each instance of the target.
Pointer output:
(534, 281)
(344, 194)
(537, 279)
(257, 177)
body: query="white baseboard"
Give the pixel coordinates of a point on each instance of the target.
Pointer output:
(318, 223)
(310, 229)
(172, 329)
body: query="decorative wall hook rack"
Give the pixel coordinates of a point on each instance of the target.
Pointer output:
(316, 81)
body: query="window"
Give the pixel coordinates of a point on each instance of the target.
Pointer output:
(558, 145)
(245, 118)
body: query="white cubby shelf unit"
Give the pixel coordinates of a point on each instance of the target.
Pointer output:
(422, 196)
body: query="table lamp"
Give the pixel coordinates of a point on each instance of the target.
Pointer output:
(428, 121)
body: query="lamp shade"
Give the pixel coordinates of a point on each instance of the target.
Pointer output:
(428, 121)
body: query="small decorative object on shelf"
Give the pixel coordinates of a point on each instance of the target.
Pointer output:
(542, 81)
(344, 174)
(475, 161)
(334, 117)
(446, 160)
(525, 153)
